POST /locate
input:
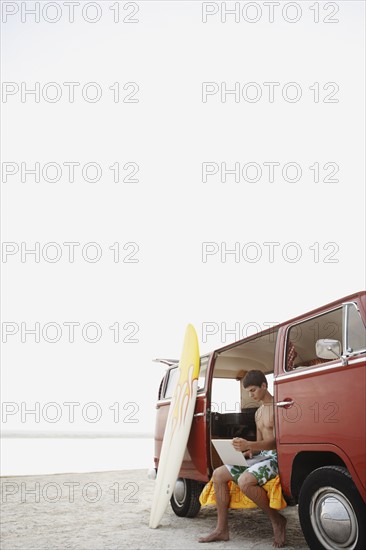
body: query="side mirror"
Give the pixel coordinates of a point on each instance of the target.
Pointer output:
(328, 349)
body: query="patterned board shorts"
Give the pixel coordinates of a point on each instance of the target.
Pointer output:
(263, 471)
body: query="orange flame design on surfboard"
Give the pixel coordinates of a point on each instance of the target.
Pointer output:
(182, 395)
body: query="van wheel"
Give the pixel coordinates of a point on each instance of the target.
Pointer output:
(331, 511)
(185, 498)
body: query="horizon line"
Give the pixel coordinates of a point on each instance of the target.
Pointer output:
(18, 434)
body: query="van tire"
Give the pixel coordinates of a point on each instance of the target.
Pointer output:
(320, 530)
(185, 498)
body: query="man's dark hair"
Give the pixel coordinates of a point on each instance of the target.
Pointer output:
(254, 378)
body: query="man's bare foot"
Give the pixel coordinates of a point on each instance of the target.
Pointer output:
(214, 536)
(279, 529)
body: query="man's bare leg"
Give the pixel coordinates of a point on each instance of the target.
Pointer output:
(249, 485)
(220, 478)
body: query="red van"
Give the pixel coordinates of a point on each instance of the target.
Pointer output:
(318, 364)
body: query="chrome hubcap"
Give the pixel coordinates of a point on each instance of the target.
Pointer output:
(333, 519)
(179, 493)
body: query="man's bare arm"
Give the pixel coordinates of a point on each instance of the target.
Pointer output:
(253, 446)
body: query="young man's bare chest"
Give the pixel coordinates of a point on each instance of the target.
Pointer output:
(264, 418)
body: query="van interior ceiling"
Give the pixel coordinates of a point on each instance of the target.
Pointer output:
(257, 353)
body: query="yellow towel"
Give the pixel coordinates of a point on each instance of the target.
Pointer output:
(239, 500)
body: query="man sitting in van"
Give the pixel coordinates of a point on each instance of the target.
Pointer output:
(250, 479)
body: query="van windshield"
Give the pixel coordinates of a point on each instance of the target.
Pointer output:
(202, 375)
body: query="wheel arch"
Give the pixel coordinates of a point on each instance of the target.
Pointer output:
(306, 462)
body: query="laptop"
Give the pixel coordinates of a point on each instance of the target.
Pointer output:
(229, 455)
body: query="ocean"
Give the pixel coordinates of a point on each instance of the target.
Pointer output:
(48, 455)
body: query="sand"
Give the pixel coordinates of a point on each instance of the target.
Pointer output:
(110, 510)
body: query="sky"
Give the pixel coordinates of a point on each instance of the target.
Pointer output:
(174, 164)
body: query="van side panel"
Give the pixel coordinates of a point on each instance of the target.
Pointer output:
(327, 414)
(194, 464)
(195, 459)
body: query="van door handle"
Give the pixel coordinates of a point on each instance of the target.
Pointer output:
(199, 414)
(287, 403)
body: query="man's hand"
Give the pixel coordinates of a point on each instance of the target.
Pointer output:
(242, 445)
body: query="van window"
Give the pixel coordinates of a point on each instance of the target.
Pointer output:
(225, 395)
(302, 338)
(356, 331)
(171, 383)
(173, 376)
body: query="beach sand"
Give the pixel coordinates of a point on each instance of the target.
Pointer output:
(110, 510)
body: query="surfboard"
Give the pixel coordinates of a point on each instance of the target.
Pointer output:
(178, 426)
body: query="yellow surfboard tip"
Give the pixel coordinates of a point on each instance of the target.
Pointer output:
(190, 353)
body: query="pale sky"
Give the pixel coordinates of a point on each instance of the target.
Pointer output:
(169, 267)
